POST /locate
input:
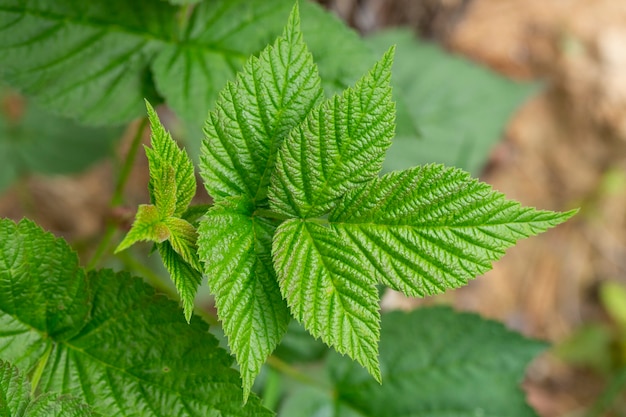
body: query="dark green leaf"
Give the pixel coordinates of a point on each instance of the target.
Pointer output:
(435, 363)
(113, 341)
(16, 401)
(88, 60)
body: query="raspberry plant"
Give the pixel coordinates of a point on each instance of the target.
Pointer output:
(303, 226)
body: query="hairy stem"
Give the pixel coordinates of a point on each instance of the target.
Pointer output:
(118, 196)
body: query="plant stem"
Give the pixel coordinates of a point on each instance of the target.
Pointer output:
(615, 388)
(269, 214)
(41, 365)
(292, 372)
(153, 279)
(118, 195)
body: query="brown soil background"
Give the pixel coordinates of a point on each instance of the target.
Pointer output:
(565, 148)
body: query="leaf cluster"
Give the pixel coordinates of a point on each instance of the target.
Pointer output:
(304, 227)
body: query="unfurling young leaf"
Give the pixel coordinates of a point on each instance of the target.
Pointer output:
(172, 186)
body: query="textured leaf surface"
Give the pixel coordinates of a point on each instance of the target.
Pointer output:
(340, 144)
(431, 228)
(236, 250)
(186, 278)
(166, 157)
(96, 61)
(35, 141)
(253, 115)
(453, 111)
(114, 343)
(222, 34)
(88, 60)
(149, 226)
(172, 187)
(328, 289)
(436, 363)
(15, 399)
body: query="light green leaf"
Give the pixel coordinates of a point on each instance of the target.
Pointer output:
(15, 399)
(149, 226)
(235, 247)
(88, 60)
(253, 115)
(329, 289)
(183, 239)
(35, 141)
(341, 143)
(186, 278)
(164, 156)
(436, 363)
(427, 229)
(112, 341)
(453, 110)
(162, 185)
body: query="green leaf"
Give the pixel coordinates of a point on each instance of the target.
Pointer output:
(15, 399)
(35, 141)
(97, 61)
(149, 225)
(14, 390)
(435, 363)
(431, 228)
(183, 239)
(172, 187)
(235, 247)
(166, 156)
(328, 289)
(88, 60)
(341, 143)
(185, 276)
(111, 340)
(253, 115)
(183, 1)
(32, 265)
(222, 34)
(450, 110)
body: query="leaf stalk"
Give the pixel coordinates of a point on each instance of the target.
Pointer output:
(118, 195)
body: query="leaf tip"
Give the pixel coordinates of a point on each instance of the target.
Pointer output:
(188, 311)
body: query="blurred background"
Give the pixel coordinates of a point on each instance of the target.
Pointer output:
(563, 146)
